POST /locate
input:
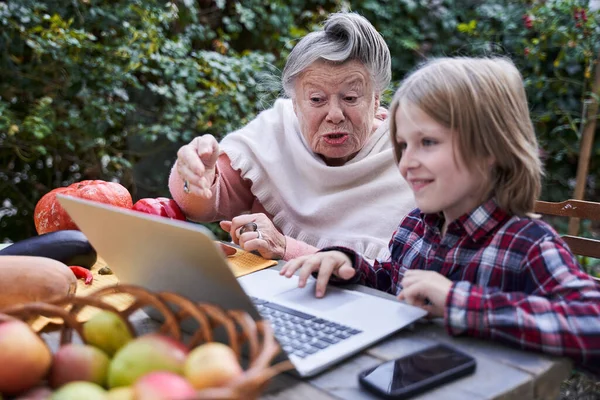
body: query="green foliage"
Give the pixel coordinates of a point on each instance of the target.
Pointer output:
(89, 89)
(98, 89)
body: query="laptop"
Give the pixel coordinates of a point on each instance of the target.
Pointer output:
(161, 254)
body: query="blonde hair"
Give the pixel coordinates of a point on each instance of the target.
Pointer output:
(483, 101)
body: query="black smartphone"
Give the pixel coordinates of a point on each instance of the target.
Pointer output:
(417, 372)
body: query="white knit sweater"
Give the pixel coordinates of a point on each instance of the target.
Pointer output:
(357, 205)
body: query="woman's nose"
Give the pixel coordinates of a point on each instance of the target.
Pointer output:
(335, 113)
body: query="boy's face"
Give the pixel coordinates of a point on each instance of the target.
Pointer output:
(433, 168)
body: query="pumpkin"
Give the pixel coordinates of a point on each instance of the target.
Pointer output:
(49, 216)
(162, 206)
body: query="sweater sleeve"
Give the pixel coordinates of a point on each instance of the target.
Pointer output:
(377, 274)
(561, 317)
(231, 195)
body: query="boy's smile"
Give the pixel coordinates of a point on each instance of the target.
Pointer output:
(435, 171)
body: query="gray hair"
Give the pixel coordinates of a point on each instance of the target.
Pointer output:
(345, 37)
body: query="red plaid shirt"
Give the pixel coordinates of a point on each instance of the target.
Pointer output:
(515, 280)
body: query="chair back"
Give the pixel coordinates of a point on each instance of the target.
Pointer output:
(575, 209)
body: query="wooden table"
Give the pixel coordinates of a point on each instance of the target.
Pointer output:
(502, 372)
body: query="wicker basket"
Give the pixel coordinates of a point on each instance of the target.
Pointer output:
(242, 331)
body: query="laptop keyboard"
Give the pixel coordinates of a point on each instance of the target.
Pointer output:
(300, 333)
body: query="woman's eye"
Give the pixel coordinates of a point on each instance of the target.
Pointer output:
(351, 99)
(428, 142)
(315, 100)
(401, 146)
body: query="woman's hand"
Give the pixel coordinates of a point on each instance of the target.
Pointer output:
(196, 164)
(380, 116)
(327, 263)
(426, 289)
(267, 240)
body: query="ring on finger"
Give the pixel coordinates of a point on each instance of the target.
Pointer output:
(186, 186)
(259, 234)
(249, 227)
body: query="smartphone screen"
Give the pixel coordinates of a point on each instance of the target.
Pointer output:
(417, 372)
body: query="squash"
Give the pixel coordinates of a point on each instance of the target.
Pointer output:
(49, 216)
(162, 206)
(25, 279)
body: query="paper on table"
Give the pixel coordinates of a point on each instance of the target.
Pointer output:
(244, 262)
(241, 263)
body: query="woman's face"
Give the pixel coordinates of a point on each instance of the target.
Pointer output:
(335, 105)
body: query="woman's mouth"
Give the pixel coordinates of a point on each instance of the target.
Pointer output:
(335, 138)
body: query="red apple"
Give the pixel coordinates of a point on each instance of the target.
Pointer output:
(37, 393)
(24, 357)
(162, 386)
(78, 362)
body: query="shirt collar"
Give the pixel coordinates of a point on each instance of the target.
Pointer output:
(477, 223)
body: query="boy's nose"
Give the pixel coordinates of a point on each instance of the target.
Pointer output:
(407, 161)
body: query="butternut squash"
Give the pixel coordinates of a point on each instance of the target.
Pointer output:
(25, 279)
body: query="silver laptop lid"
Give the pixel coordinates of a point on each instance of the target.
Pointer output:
(159, 254)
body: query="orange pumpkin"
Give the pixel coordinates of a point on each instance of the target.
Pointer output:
(49, 216)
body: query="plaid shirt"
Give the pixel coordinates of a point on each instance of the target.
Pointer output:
(515, 280)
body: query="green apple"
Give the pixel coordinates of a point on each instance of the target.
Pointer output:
(106, 331)
(80, 390)
(211, 364)
(120, 393)
(145, 354)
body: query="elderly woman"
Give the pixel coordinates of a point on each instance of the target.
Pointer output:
(316, 169)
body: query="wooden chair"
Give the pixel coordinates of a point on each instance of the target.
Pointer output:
(575, 209)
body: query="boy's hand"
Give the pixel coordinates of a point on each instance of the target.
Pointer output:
(327, 263)
(426, 289)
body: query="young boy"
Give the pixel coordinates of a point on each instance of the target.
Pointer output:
(471, 252)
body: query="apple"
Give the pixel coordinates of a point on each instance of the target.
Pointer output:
(145, 354)
(78, 362)
(106, 331)
(37, 393)
(120, 393)
(163, 386)
(79, 391)
(24, 357)
(211, 364)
